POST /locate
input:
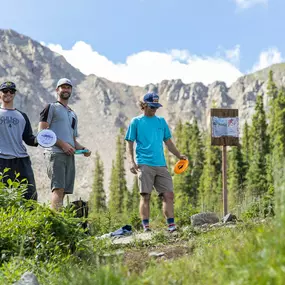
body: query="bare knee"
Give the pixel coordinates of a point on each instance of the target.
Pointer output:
(168, 197)
(58, 192)
(145, 197)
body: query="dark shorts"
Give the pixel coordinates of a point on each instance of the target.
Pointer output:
(154, 176)
(61, 171)
(24, 167)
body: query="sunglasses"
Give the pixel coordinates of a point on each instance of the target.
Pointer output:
(12, 91)
(153, 108)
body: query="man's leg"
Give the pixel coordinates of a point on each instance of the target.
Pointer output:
(57, 196)
(64, 176)
(168, 205)
(168, 210)
(144, 210)
(7, 163)
(56, 170)
(145, 182)
(26, 171)
(164, 186)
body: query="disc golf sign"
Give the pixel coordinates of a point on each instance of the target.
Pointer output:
(224, 132)
(224, 127)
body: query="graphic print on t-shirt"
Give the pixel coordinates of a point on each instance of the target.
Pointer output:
(9, 120)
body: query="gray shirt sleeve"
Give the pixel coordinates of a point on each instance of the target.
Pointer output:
(28, 136)
(47, 113)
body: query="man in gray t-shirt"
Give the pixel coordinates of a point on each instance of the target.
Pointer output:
(59, 118)
(15, 128)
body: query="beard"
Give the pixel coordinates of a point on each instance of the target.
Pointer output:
(65, 95)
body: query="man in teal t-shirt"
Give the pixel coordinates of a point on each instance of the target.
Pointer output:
(150, 132)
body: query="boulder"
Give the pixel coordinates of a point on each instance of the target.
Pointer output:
(204, 218)
(28, 278)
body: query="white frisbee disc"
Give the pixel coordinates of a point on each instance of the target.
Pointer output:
(46, 138)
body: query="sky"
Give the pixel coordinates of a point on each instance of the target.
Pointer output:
(146, 41)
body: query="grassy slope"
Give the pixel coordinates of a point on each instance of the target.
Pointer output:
(247, 254)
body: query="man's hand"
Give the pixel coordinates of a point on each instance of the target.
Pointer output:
(67, 148)
(87, 153)
(134, 168)
(182, 156)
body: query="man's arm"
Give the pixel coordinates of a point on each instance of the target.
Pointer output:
(80, 146)
(172, 148)
(28, 136)
(67, 148)
(130, 153)
(45, 118)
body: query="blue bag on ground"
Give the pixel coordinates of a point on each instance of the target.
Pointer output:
(125, 230)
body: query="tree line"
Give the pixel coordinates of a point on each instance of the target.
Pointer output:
(252, 166)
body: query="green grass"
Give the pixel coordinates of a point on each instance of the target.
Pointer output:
(34, 238)
(248, 254)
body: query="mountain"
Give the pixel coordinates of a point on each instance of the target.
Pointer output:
(103, 106)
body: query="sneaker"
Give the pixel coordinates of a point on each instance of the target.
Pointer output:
(146, 229)
(172, 228)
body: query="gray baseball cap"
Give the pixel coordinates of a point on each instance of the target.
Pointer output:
(63, 81)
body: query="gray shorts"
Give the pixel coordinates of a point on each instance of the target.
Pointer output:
(154, 176)
(61, 171)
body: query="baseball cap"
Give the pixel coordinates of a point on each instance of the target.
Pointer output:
(8, 85)
(63, 81)
(152, 100)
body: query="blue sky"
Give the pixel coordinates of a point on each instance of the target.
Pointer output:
(142, 41)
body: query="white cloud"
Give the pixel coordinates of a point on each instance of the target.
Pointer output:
(233, 55)
(244, 4)
(152, 67)
(267, 58)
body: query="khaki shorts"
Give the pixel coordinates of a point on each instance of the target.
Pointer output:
(61, 171)
(154, 176)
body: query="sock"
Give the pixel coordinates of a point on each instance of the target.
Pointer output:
(145, 223)
(170, 222)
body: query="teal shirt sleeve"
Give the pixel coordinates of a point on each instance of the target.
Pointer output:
(131, 134)
(167, 133)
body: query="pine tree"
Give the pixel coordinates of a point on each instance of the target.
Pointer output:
(118, 184)
(275, 130)
(182, 181)
(196, 156)
(236, 177)
(98, 196)
(178, 134)
(257, 183)
(135, 195)
(128, 202)
(272, 93)
(114, 196)
(245, 148)
(278, 133)
(210, 186)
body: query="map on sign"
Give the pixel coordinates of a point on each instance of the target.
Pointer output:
(225, 127)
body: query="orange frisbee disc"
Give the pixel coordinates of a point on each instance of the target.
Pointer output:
(181, 166)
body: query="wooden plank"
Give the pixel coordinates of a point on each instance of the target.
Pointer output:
(224, 113)
(225, 140)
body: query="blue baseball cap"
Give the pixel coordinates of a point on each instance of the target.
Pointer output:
(151, 99)
(8, 85)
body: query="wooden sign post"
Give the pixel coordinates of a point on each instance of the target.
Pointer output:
(224, 132)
